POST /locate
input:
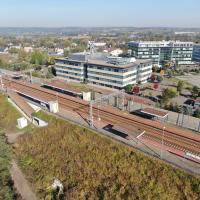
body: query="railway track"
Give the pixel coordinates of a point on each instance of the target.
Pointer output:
(173, 136)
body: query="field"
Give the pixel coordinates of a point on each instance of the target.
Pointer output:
(8, 117)
(91, 166)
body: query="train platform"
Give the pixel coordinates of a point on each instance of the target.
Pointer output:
(21, 103)
(155, 113)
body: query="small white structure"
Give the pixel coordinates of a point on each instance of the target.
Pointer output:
(39, 122)
(22, 123)
(87, 96)
(28, 49)
(59, 51)
(53, 106)
(57, 184)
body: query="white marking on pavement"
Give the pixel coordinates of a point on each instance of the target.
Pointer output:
(141, 135)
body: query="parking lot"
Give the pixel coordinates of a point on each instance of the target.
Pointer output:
(192, 79)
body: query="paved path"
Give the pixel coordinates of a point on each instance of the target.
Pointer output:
(12, 137)
(20, 183)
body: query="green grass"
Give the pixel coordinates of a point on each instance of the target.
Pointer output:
(8, 120)
(94, 167)
(6, 192)
(81, 86)
(8, 115)
(44, 116)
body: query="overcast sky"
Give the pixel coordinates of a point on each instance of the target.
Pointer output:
(93, 13)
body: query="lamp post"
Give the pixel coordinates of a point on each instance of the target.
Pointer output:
(1, 82)
(163, 133)
(99, 119)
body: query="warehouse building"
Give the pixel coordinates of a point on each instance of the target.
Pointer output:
(102, 69)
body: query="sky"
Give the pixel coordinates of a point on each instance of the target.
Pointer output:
(98, 13)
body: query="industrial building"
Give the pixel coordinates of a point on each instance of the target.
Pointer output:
(104, 70)
(159, 52)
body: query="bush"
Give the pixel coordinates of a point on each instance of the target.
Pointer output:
(128, 88)
(197, 113)
(180, 86)
(168, 94)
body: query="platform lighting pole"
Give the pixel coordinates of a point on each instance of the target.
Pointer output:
(199, 127)
(57, 96)
(1, 82)
(30, 76)
(123, 101)
(163, 133)
(99, 119)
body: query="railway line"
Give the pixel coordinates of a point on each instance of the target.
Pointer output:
(174, 137)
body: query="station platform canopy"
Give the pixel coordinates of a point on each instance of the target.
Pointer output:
(155, 113)
(62, 87)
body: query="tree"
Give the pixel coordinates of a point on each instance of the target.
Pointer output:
(128, 88)
(23, 56)
(159, 78)
(136, 89)
(180, 86)
(156, 86)
(168, 94)
(38, 58)
(52, 60)
(153, 78)
(13, 50)
(66, 52)
(67, 43)
(197, 113)
(170, 73)
(195, 91)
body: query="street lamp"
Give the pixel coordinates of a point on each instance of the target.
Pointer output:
(1, 82)
(99, 119)
(163, 132)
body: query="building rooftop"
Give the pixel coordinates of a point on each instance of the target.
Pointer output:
(105, 59)
(160, 42)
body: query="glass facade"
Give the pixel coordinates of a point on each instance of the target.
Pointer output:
(196, 53)
(160, 52)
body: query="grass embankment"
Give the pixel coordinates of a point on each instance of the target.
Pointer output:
(8, 115)
(8, 118)
(95, 167)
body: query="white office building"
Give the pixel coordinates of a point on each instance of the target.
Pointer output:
(101, 69)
